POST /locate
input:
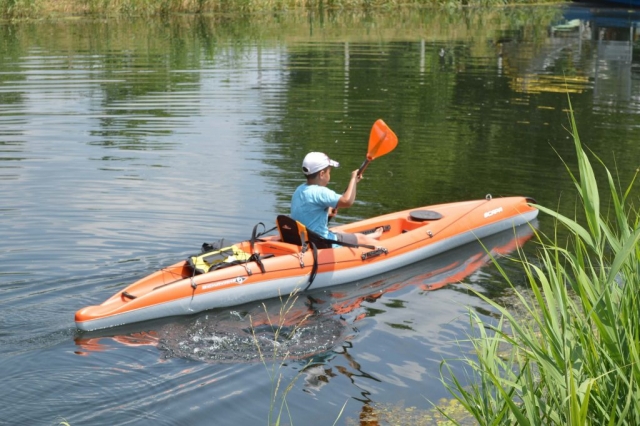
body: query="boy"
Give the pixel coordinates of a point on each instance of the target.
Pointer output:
(311, 202)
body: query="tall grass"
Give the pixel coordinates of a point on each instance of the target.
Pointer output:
(574, 358)
(282, 330)
(274, 366)
(13, 9)
(19, 8)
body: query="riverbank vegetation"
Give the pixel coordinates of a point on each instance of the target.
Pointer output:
(34, 9)
(574, 357)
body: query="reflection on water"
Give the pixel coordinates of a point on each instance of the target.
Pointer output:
(612, 32)
(591, 48)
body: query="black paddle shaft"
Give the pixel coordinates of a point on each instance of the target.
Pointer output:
(364, 165)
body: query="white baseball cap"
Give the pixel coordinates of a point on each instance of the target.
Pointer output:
(315, 161)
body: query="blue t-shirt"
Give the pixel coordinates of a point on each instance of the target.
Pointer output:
(309, 205)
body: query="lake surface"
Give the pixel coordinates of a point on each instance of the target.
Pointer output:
(124, 145)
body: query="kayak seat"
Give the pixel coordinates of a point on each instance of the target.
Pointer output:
(293, 232)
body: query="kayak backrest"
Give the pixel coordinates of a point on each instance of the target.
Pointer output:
(293, 232)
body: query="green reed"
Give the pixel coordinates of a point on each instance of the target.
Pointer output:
(18, 9)
(574, 358)
(274, 365)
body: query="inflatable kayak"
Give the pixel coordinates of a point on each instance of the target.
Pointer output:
(267, 266)
(191, 337)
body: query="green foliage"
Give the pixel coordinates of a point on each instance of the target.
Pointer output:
(18, 8)
(12, 9)
(574, 359)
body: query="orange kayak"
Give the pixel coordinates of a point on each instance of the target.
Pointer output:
(266, 266)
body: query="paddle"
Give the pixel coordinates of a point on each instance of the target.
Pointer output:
(382, 141)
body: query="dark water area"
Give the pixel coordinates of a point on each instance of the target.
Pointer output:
(124, 145)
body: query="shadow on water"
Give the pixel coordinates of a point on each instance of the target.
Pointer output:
(313, 325)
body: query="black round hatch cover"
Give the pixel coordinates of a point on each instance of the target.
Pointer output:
(421, 215)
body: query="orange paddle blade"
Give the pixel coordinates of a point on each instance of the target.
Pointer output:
(382, 140)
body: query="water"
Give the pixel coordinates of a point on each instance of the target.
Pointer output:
(125, 145)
